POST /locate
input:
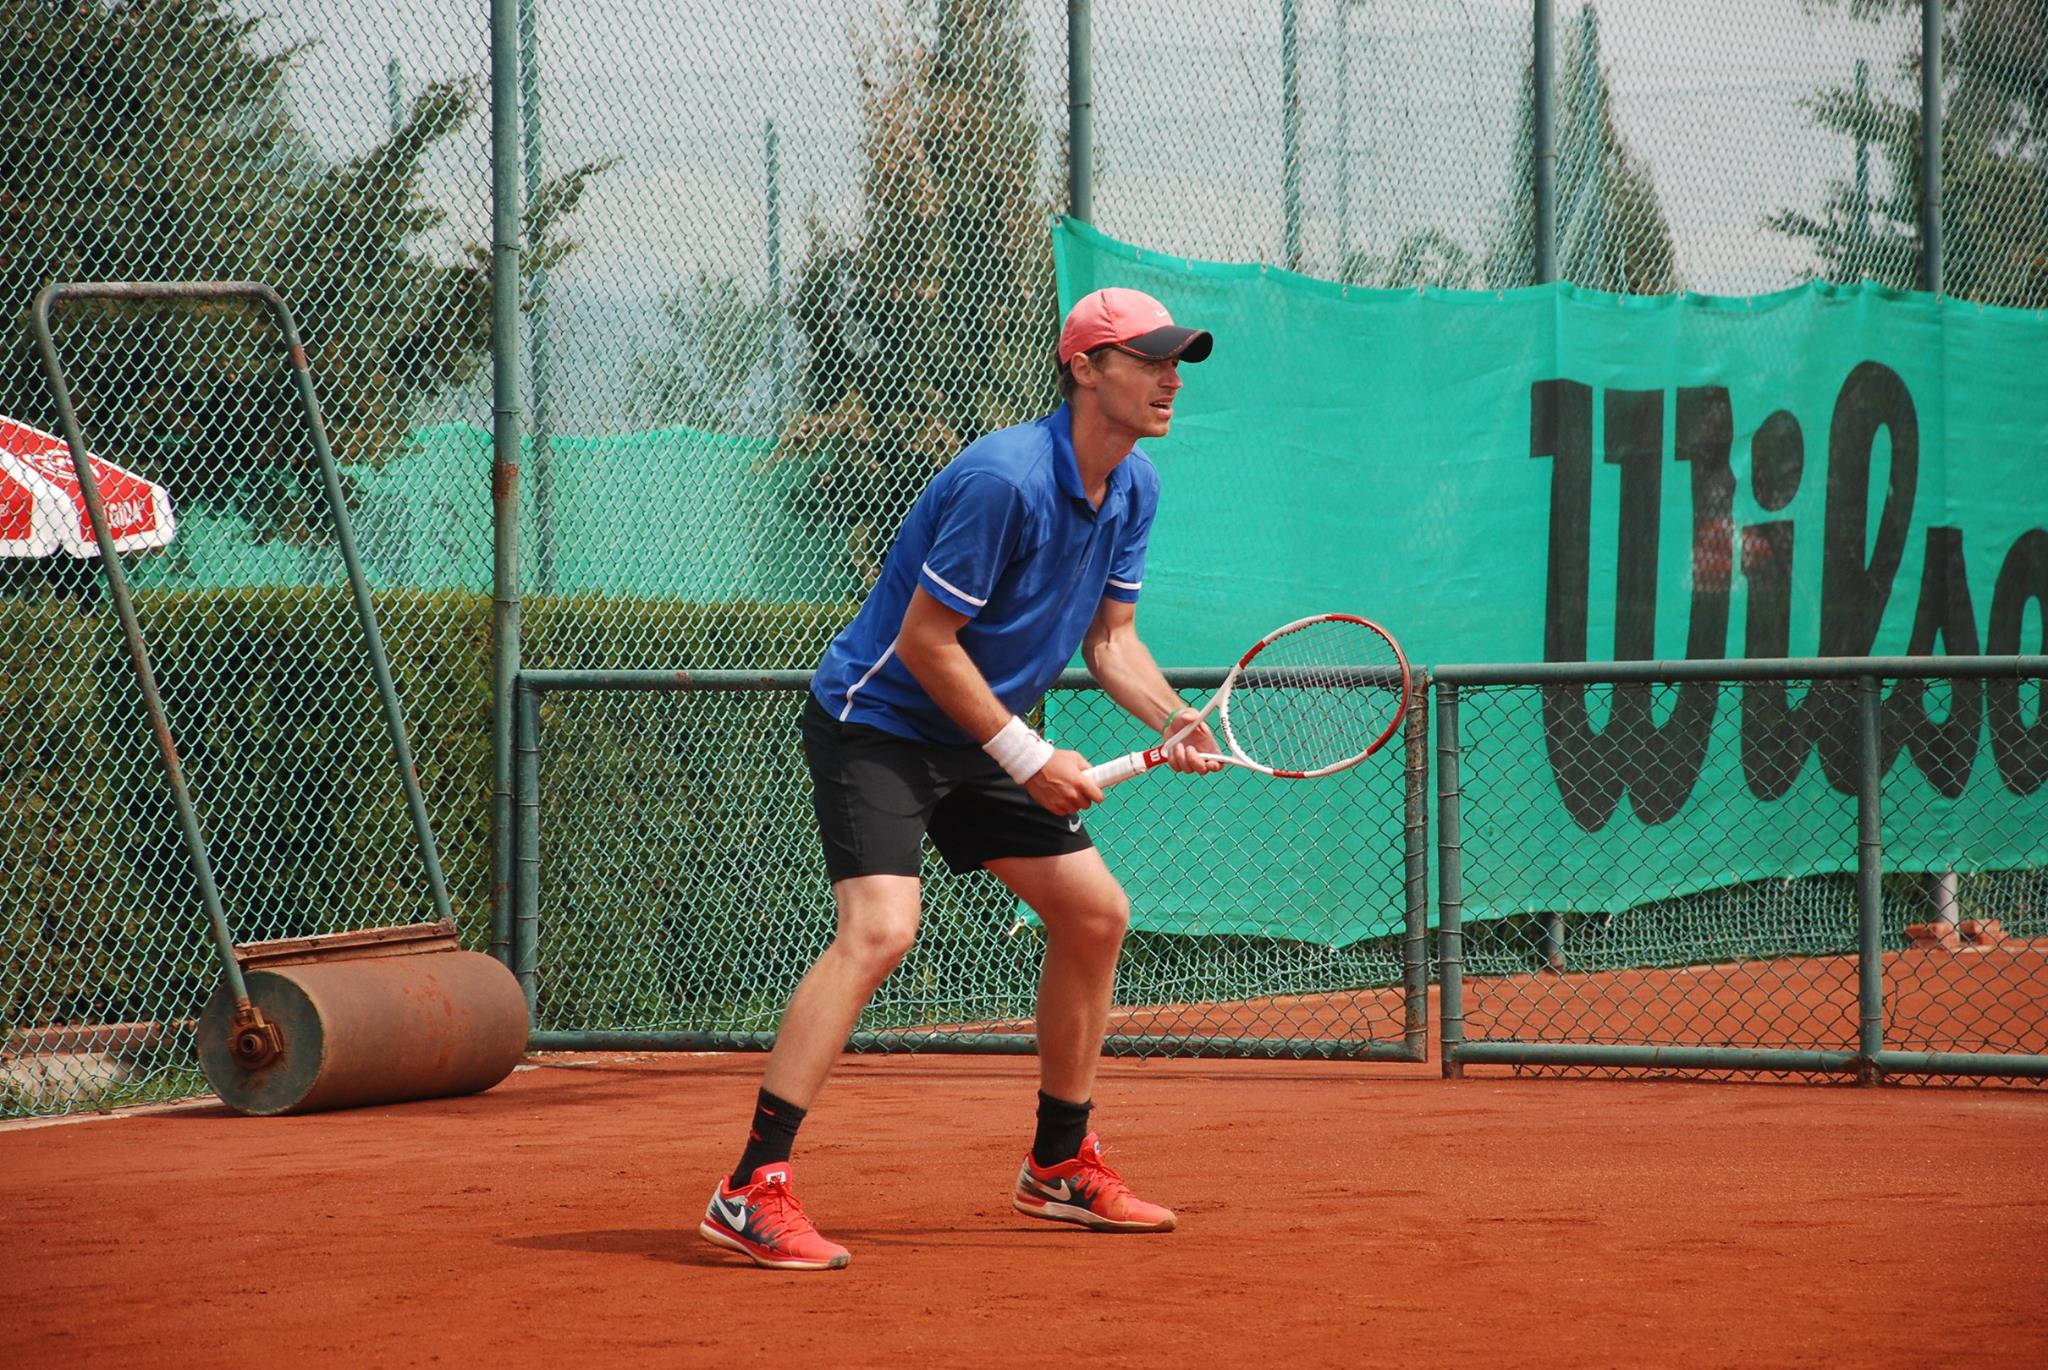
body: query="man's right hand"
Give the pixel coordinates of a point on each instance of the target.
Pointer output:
(1062, 785)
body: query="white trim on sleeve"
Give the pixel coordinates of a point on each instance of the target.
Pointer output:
(1125, 584)
(950, 589)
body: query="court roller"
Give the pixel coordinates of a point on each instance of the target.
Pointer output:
(376, 1017)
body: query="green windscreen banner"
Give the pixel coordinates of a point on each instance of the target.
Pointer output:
(1558, 474)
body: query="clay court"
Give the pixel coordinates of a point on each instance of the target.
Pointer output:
(1332, 1214)
(628, 361)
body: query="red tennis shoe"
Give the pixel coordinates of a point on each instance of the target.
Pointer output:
(764, 1222)
(1086, 1191)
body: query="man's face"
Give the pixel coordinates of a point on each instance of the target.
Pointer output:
(1134, 393)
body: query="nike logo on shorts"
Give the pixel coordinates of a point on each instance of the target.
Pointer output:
(1073, 822)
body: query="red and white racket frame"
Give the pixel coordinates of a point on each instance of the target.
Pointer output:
(1137, 763)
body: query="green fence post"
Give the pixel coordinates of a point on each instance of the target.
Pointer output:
(1543, 156)
(1930, 146)
(1869, 865)
(771, 168)
(1415, 926)
(1290, 135)
(1343, 137)
(526, 925)
(394, 94)
(1080, 112)
(1449, 892)
(505, 166)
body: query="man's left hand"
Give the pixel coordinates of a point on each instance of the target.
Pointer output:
(1185, 755)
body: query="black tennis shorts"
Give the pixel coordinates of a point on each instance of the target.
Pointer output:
(877, 795)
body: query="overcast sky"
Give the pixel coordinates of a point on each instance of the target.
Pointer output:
(1187, 126)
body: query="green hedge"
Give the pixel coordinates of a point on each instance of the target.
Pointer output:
(273, 709)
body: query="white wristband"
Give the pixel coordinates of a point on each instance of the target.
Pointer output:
(1018, 750)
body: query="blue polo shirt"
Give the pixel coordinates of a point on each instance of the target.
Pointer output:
(1006, 535)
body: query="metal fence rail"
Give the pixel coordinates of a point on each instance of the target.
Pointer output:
(669, 892)
(1767, 935)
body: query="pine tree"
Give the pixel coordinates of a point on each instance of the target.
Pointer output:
(1611, 231)
(1994, 175)
(935, 323)
(713, 370)
(150, 140)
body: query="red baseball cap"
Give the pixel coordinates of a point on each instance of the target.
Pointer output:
(1130, 321)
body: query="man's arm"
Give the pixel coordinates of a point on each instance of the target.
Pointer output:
(1122, 664)
(929, 647)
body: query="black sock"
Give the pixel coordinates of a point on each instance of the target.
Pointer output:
(1061, 1128)
(769, 1139)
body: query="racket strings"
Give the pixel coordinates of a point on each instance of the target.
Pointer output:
(1316, 697)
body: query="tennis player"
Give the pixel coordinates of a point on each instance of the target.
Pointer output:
(1028, 545)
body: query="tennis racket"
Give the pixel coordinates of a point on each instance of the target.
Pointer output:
(1311, 698)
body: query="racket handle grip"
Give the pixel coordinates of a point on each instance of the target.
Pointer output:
(1124, 767)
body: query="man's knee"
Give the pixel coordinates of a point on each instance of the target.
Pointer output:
(876, 933)
(879, 943)
(1100, 922)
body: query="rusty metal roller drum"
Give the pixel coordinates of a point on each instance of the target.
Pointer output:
(361, 1022)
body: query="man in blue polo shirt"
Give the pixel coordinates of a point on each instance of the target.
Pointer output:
(1028, 546)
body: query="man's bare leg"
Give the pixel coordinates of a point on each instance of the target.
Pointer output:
(877, 923)
(755, 1212)
(1085, 913)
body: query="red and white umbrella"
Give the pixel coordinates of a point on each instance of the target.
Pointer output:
(42, 508)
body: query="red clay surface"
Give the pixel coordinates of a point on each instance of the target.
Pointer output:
(1332, 1214)
(1990, 1000)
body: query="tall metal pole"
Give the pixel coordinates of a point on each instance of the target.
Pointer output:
(526, 920)
(1865, 257)
(1869, 867)
(772, 155)
(1593, 263)
(394, 94)
(1543, 155)
(1080, 112)
(1931, 118)
(1343, 134)
(541, 339)
(1450, 892)
(1290, 136)
(1415, 854)
(505, 435)
(1930, 145)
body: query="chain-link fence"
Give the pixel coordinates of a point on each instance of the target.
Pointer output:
(673, 891)
(179, 141)
(776, 266)
(1851, 881)
(846, 275)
